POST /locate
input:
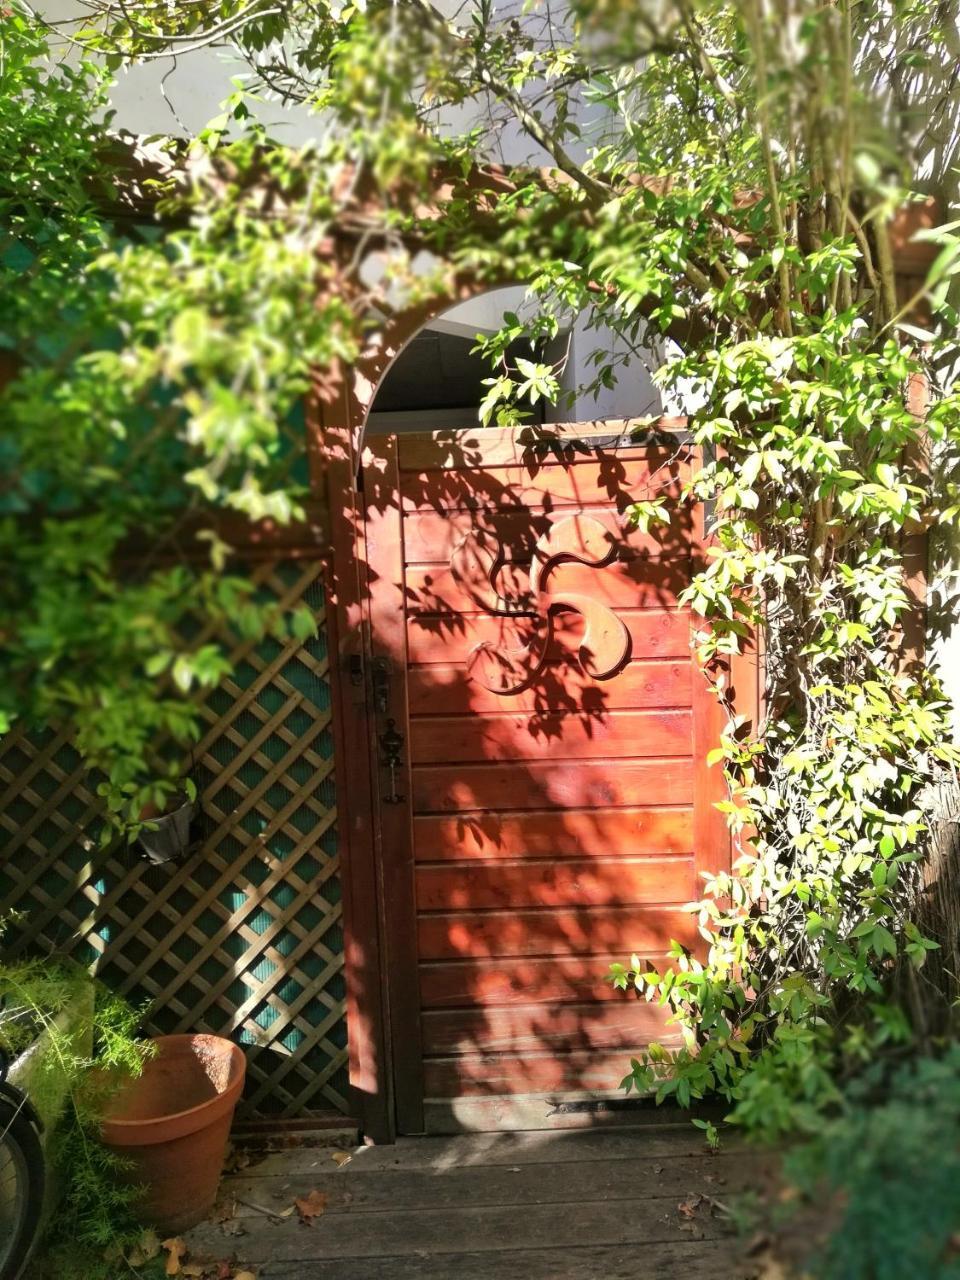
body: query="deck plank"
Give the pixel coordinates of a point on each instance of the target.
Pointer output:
(681, 1261)
(532, 1147)
(611, 1204)
(668, 1179)
(469, 1229)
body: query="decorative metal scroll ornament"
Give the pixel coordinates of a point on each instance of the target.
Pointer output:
(476, 562)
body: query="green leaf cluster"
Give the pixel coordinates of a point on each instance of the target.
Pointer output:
(153, 394)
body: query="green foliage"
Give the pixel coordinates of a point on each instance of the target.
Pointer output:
(885, 1172)
(84, 1047)
(158, 383)
(49, 168)
(816, 460)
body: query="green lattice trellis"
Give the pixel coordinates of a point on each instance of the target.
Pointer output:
(244, 939)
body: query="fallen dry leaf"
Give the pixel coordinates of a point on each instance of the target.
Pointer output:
(235, 1160)
(244, 1275)
(223, 1211)
(176, 1252)
(688, 1208)
(340, 1158)
(311, 1206)
(145, 1250)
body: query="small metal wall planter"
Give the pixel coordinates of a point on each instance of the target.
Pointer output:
(166, 838)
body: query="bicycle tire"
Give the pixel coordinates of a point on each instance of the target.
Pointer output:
(20, 1143)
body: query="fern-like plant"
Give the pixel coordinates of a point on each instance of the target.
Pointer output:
(80, 1042)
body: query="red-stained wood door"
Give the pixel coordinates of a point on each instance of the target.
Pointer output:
(544, 802)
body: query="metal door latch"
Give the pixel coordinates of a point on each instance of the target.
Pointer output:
(391, 743)
(381, 685)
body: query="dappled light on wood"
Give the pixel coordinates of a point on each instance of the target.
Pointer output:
(551, 773)
(578, 540)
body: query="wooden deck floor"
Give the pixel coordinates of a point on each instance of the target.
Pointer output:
(637, 1204)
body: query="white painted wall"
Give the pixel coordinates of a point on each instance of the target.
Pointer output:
(484, 314)
(634, 395)
(180, 95)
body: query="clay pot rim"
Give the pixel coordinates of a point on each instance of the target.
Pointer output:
(174, 1124)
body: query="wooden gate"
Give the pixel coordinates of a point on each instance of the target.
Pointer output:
(542, 728)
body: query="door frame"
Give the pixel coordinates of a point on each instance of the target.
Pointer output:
(336, 412)
(388, 708)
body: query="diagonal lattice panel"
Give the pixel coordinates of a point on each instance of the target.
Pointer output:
(244, 938)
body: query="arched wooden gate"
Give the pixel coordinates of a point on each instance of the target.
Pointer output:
(388, 1015)
(537, 731)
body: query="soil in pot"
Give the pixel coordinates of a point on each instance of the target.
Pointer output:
(172, 1123)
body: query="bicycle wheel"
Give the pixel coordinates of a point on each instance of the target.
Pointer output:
(21, 1187)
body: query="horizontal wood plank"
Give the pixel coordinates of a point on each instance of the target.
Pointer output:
(447, 1233)
(447, 690)
(590, 1071)
(430, 537)
(544, 1181)
(560, 980)
(525, 1112)
(661, 1258)
(635, 583)
(556, 834)
(583, 931)
(654, 633)
(472, 447)
(586, 481)
(668, 1135)
(540, 1029)
(553, 735)
(598, 882)
(544, 784)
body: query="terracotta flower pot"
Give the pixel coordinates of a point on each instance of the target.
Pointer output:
(172, 1123)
